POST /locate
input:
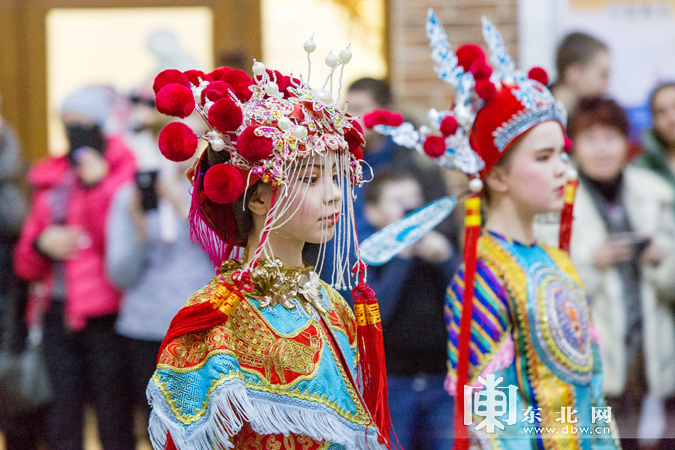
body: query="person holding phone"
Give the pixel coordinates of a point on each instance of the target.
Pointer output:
(622, 246)
(149, 253)
(61, 251)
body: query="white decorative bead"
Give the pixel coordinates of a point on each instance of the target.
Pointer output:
(310, 45)
(300, 132)
(284, 123)
(217, 144)
(475, 185)
(331, 60)
(572, 174)
(345, 55)
(197, 93)
(424, 130)
(207, 106)
(271, 88)
(322, 95)
(258, 68)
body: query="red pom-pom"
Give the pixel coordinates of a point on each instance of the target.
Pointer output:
(481, 70)
(467, 54)
(394, 119)
(194, 75)
(486, 90)
(175, 100)
(449, 126)
(538, 74)
(219, 73)
(216, 90)
(254, 148)
(434, 146)
(177, 142)
(373, 118)
(358, 153)
(225, 116)
(223, 183)
(240, 81)
(568, 144)
(169, 77)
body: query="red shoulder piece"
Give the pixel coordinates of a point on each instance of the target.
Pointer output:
(204, 315)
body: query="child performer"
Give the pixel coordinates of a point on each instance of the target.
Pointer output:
(267, 355)
(523, 355)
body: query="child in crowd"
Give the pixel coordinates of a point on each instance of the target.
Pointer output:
(266, 355)
(412, 317)
(523, 354)
(583, 64)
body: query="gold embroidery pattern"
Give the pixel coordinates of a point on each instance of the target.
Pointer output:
(549, 390)
(176, 407)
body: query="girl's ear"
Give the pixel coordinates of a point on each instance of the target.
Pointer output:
(259, 203)
(496, 180)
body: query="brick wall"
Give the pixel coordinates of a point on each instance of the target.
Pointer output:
(413, 79)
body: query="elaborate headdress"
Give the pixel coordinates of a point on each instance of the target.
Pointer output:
(259, 130)
(494, 105)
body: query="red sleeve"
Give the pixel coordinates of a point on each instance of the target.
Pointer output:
(30, 264)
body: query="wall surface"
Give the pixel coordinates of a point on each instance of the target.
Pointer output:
(23, 53)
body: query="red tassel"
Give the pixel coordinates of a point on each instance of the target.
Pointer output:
(169, 445)
(372, 367)
(205, 315)
(567, 215)
(472, 233)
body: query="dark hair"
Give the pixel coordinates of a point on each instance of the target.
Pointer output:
(374, 189)
(597, 110)
(657, 90)
(576, 48)
(378, 89)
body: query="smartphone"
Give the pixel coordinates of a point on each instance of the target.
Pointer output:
(146, 182)
(84, 136)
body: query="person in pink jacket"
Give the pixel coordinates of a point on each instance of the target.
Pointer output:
(61, 252)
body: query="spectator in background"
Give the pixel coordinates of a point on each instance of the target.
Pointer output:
(411, 292)
(62, 251)
(583, 65)
(658, 144)
(22, 432)
(149, 255)
(623, 249)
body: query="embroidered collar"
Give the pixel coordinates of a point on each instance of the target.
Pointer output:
(275, 283)
(510, 240)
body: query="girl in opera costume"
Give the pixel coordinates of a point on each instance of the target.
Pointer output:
(267, 355)
(523, 358)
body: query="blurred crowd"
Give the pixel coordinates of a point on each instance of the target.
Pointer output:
(95, 253)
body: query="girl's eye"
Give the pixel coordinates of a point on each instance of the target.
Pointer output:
(336, 178)
(311, 180)
(543, 157)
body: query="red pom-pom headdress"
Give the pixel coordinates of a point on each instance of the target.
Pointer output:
(262, 128)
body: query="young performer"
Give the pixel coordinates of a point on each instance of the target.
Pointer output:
(267, 355)
(522, 351)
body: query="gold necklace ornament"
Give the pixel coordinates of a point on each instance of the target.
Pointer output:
(274, 283)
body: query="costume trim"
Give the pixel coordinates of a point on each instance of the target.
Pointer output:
(231, 405)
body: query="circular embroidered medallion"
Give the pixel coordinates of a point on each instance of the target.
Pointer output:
(560, 322)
